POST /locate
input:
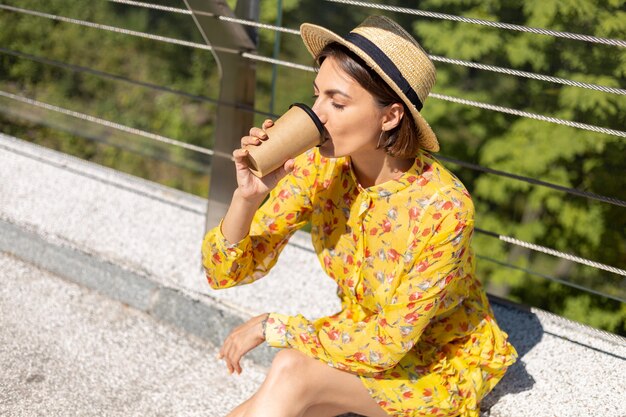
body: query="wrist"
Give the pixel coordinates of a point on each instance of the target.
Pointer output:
(251, 201)
(264, 325)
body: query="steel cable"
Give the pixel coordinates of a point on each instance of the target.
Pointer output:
(553, 252)
(103, 74)
(500, 109)
(551, 278)
(531, 75)
(573, 191)
(508, 26)
(224, 18)
(114, 125)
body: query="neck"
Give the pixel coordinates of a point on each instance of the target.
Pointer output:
(378, 167)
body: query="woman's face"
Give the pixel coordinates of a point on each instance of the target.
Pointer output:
(349, 113)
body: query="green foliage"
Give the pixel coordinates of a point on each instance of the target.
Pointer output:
(553, 153)
(562, 155)
(137, 59)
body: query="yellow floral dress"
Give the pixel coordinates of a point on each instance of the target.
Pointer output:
(415, 324)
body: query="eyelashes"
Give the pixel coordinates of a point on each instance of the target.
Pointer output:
(335, 105)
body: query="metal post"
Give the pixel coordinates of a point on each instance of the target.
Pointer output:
(238, 77)
(276, 55)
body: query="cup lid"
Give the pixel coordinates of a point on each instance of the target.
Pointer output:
(312, 115)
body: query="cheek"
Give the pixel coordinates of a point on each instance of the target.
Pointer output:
(355, 122)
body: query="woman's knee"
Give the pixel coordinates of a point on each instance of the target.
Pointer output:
(289, 363)
(289, 372)
(286, 381)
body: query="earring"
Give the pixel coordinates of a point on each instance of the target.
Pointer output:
(380, 137)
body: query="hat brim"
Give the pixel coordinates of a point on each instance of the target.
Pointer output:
(316, 38)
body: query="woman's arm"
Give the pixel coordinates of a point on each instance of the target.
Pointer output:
(236, 223)
(248, 241)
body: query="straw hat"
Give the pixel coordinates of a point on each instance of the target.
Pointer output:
(390, 51)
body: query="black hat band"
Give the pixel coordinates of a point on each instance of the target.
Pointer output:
(386, 65)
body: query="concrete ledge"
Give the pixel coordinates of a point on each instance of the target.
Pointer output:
(197, 314)
(139, 243)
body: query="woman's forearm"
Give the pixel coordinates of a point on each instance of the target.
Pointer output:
(236, 224)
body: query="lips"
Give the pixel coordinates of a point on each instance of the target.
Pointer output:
(325, 138)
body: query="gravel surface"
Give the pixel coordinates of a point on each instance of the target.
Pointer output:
(66, 351)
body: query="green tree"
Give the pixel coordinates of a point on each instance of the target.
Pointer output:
(558, 154)
(143, 60)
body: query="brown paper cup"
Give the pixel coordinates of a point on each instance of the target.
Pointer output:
(295, 132)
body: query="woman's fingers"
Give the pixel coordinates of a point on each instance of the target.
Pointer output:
(267, 123)
(250, 140)
(235, 363)
(232, 361)
(227, 348)
(240, 156)
(240, 341)
(231, 353)
(255, 136)
(258, 133)
(289, 165)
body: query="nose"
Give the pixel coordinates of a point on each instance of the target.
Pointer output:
(318, 111)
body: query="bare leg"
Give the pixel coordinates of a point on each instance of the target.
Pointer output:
(323, 411)
(298, 386)
(315, 411)
(241, 409)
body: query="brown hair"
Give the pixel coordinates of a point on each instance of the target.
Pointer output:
(403, 140)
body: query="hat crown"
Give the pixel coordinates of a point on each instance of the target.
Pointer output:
(403, 50)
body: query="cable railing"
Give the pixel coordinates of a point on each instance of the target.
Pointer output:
(465, 164)
(246, 54)
(459, 62)
(482, 22)
(534, 181)
(468, 64)
(405, 10)
(255, 57)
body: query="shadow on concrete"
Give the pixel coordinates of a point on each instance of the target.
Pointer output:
(525, 331)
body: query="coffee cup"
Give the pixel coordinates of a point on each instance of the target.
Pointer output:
(296, 131)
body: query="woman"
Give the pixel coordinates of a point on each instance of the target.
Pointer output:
(416, 335)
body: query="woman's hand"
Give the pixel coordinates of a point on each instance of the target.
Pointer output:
(242, 340)
(250, 186)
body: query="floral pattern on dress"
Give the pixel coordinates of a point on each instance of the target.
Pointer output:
(415, 324)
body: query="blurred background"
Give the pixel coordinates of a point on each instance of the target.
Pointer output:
(170, 90)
